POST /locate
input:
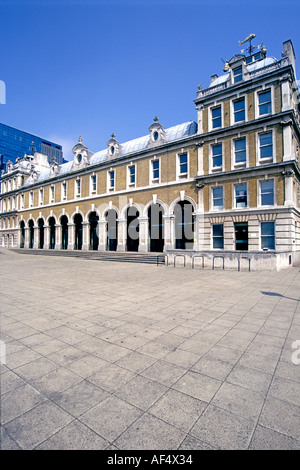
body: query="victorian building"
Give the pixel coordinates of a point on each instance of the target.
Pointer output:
(222, 191)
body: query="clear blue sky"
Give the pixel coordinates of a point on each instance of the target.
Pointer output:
(95, 67)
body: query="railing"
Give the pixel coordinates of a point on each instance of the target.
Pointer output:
(239, 262)
(248, 76)
(197, 256)
(176, 256)
(213, 263)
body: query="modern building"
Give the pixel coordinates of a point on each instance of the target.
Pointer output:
(15, 143)
(222, 192)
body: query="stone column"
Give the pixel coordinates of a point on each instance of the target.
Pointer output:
(46, 237)
(36, 238)
(26, 241)
(288, 186)
(85, 236)
(143, 234)
(71, 236)
(58, 238)
(122, 234)
(169, 231)
(102, 235)
(287, 143)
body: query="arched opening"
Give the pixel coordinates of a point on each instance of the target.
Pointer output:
(132, 229)
(41, 233)
(31, 233)
(111, 218)
(22, 234)
(156, 228)
(94, 239)
(64, 232)
(51, 223)
(78, 232)
(184, 225)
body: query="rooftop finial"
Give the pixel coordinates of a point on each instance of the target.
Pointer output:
(113, 135)
(155, 119)
(80, 139)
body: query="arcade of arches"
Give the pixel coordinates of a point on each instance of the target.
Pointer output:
(154, 232)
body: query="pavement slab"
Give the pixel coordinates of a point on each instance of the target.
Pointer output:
(147, 357)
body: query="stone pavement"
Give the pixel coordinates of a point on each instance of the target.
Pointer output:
(105, 355)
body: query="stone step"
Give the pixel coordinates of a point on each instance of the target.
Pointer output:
(125, 257)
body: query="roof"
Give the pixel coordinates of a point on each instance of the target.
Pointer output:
(172, 134)
(251, 68)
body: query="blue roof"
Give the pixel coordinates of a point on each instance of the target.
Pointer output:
(172, 134)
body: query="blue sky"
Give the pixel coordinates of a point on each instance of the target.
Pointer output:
(95, 67)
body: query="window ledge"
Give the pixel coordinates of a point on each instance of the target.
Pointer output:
(265, 160)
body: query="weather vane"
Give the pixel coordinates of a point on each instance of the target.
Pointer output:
(249, 38)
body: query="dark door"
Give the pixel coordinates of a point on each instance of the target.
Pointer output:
(241, 236)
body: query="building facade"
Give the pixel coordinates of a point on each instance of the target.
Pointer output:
(14, 143)
(220, 192)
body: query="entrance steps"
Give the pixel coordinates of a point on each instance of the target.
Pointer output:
(118, 256)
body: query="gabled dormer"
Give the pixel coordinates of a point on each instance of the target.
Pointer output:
(113, 147)
(157, 133)
(81, 155)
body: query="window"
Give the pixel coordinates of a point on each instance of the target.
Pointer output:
(238, 74)
(239, 110)
(41, 196)
(218, 197)
(240, 150)
(266, 145)
(183, 164)
(51, 193)
(93, 183)
(31, 199)
(131, 175)
(241, 195)
(268, 235)
(22, 201)
(218, 236)
(111, 179)
(64, 190)
(14, 203)
(77, 187)
(216, 117)
(217, 156)
(264, 103)
(267, 193)
(155, 169)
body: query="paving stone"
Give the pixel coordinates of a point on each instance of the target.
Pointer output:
(267, 439)
(35, 426)
(222, 429)
(18, 401)
(149, 432)
(110, 418)
(239, 400)
(198, 385)
(178, 409)
(141, 392)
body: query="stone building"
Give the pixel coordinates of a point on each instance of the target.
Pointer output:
(220, 192)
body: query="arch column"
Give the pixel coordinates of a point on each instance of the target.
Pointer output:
(58, 241)
(102, 235)
(46, 237)
(36, 238)
(143, 234)
(26, 242)
(122, 234)
(85, 235)
(71, 236)
(169, 231)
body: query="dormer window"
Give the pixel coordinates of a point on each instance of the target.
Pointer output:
(79, 158)
(238, 74)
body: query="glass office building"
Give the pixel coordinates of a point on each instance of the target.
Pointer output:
(15, 143)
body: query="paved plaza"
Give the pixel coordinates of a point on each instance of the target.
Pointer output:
(106, 355)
